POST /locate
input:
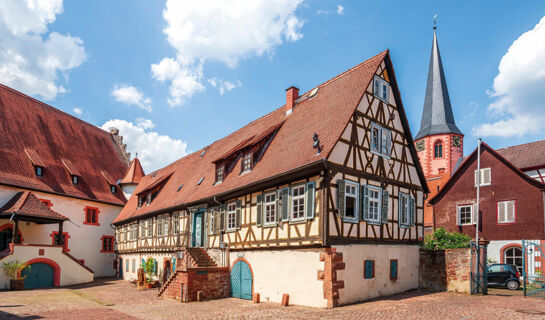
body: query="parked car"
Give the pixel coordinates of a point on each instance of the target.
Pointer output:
(504, 275)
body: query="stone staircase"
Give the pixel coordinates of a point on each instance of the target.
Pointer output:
(201, 259)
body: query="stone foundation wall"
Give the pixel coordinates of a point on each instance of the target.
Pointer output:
(445, 270)
(213, 282)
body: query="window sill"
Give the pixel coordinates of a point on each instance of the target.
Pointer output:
(373, 223)
(381, 99)
(404, 226)
(350, 220)
(270, 225)
(245, 172)
(298, 221)
(380, 154)
(91, 224)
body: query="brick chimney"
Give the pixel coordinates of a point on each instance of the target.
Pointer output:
(292, 93)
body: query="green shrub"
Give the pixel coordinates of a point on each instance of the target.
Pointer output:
(13, 269)
(149, 269)
(442, 239)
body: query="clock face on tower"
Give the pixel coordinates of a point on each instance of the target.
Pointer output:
(420, 145)
(456, 141)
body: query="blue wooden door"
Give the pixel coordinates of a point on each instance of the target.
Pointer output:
(241, 281)
(120, 266)
(39, 275)
(197, 229)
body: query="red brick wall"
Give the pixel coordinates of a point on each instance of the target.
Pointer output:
(506, 184)
(214, 282)
(445, 270)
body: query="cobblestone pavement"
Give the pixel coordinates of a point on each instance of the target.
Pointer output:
(116, 299)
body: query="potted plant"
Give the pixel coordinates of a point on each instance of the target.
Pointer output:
(149, 269)
(13, 269)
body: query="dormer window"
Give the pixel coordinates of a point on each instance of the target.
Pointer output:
(247, 162)
(148, 199)
(75, 180)
(39, 171)
(220, 170)
(113, 189)
(140, 201)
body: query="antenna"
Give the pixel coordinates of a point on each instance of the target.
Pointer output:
(435, 21)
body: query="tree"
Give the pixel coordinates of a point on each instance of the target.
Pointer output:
(442, 239)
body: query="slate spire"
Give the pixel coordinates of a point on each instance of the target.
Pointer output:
(437, 115)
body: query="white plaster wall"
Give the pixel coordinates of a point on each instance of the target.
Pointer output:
(71, 272)
(356, 288)
(294, 272)
(137, 257)
(84, 241)
(494, 247)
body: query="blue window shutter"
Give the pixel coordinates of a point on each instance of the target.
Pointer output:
(285, 204)
(369, 269)
(412, 211)
(173, 263)
(154, 266)
(389, 143)
(222, 217)
(341, 189)
(143, 262)
(384, 209)
(365, 202)
(393, 269)
(400, 210)
(311, 188)
(259, 218)
(279, 209)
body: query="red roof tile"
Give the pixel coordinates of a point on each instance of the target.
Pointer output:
(25, 204)
(528, 155)
(53, 136)
(134, 174)
(326, 114)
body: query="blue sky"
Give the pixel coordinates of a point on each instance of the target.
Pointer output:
(114, 61)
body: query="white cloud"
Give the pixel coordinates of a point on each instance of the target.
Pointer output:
(223, 31)
(130, 95)
(78, 111)
(154, 150)
(340, 9)
(518, 88)
(224, 85)
(31, 57)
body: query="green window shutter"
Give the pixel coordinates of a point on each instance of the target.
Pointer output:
(259, 209)
(384, 209)
(222, 217)
(278, 205)
(389, 143)
(365, 202)
(285, 204)
(143, 262)
(311, 189)
(212, 220)
(412, 211)
(154, 266)
(238, 216)
(341, 188)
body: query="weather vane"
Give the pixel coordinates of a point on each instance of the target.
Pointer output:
(434, 21)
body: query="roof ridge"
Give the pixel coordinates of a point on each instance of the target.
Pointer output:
(518, 145)
(49, 107)
(25, 194)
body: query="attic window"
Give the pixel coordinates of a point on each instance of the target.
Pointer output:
(247, 162)
(39, 171)
(220, 172)
(203, 152)
(113, 188)
(381, 89)
(200, 181)
(148, 199)
(75, 180)
(180, 188)
(313, 92)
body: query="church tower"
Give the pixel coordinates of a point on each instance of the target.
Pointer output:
(439, 142)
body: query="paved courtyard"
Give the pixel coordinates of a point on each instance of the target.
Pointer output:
(116, 299)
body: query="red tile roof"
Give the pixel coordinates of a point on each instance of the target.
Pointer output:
(326, 114)
(33, 132)
(134, 174)
(528, 155)
(26, 204)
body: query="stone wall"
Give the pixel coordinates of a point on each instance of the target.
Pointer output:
(213, 282)
(445, 270)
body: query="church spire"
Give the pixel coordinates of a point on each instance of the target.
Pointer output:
(437, 116)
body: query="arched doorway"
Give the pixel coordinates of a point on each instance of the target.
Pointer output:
(241, 280)
(513, 255)
(41, 273)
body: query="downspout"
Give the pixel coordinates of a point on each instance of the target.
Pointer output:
(325, 204)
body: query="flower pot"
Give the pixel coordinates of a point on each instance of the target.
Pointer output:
(17, 284)
(149, 285)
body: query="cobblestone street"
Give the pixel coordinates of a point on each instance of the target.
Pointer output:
(115, 299)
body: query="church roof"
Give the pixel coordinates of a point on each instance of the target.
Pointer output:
(134, 174)
(25, 204)
(527, 155)
(36, 134)
(437, 116)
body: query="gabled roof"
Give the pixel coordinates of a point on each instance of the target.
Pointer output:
(291, 150)
(25, 204)
(472, 158)
(34, 133)
(134, 174)
(527, 155)
(437, 115)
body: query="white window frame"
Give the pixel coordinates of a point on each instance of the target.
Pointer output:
(159, 226)
(220, 177)
(176, 224)
(506, 208)
(142, 228)
(149, 228)
(383, 133)
(405, 210)
(349, 185)
(246, 162)
(294, 199)
(165, 226)
(268, 206)
(482, 183)
(211, 218)
(471, 214)
(231, 216)
(383, 88)
(378, 201)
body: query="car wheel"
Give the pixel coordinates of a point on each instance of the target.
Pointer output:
(512, 285)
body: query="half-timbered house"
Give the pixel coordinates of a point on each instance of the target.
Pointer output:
(58, 193)
(321, 199)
